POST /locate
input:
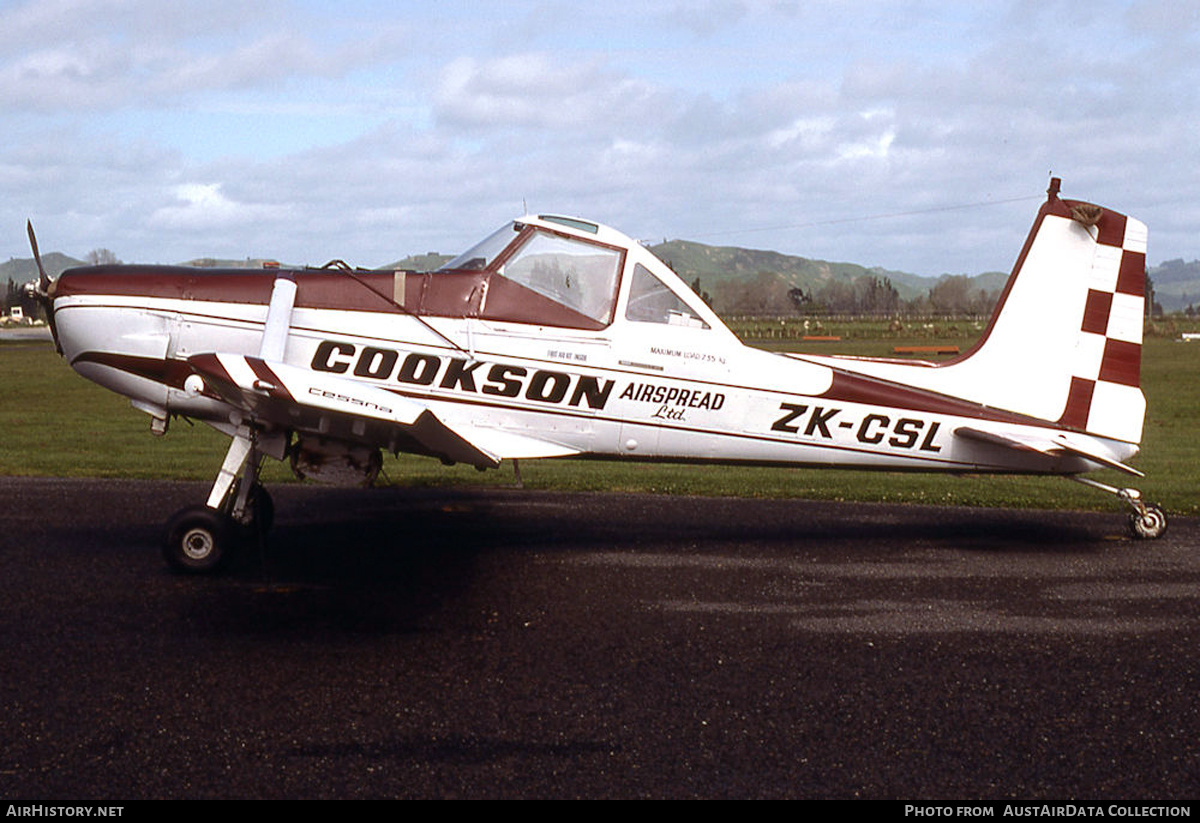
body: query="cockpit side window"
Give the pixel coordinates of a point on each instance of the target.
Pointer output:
(582, 276)
(650, 301)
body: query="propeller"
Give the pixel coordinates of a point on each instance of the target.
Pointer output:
(43, 288)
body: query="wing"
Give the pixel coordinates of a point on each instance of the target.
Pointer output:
(325, 404)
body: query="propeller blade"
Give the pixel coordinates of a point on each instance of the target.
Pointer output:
(43, 278)
(44, 286)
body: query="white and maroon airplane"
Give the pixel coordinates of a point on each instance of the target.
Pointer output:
(556, 337)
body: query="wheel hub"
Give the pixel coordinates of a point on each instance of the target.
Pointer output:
(198, 544)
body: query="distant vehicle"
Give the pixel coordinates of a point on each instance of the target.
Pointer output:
(556, 337)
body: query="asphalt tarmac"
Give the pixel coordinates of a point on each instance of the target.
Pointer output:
(509, 644)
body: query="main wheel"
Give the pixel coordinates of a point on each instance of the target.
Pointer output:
(1148, 526)
(199, 540)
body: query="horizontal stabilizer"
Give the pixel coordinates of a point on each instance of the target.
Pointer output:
(996, 440)
(1090, 454)
(1051, 447)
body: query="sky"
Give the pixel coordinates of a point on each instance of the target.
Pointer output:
(916, 136)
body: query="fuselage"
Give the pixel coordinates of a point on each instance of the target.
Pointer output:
(606, 354)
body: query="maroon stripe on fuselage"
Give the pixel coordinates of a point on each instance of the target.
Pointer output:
(434, 294)
(872, 391)
(172, 282)
(315, 289)
(168, 372)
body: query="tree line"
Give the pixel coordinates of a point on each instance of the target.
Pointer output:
(768, 294)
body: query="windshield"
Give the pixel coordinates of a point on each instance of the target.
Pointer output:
(484, 252)
(578, 275)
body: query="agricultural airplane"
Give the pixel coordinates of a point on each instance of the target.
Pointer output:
(555, 337)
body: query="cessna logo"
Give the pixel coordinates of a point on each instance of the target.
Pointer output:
(460, 374)
(342, 398)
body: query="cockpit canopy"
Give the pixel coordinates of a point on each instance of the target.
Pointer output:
(573, 280)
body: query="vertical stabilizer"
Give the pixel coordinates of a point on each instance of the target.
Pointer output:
(1065, 341)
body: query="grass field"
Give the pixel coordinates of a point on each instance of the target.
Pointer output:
(58, 424)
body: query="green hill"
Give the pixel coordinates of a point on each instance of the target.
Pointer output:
(420, 262)
(1176, 284)
(24, 269)
(719, 264)
(753, 281)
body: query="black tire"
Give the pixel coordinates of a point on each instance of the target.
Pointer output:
(1149, 526)
(199, 540)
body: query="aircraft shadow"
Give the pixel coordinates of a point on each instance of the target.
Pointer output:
(382, 561)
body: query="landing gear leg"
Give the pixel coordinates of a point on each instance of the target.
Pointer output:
(1146, 521)
(201, 539)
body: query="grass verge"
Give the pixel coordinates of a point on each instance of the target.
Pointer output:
(58, 424)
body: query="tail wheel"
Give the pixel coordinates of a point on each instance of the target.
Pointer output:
(199, 540)
(1149, 524)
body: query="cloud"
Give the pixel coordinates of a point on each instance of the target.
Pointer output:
(707, 17)
(204, 206)
(534, 90)
(73, 56)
